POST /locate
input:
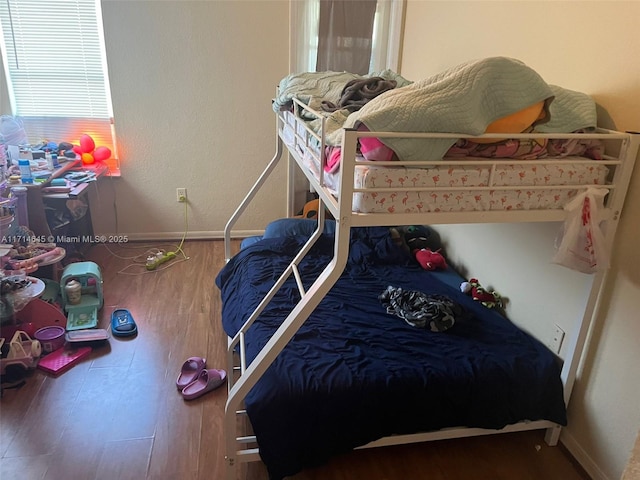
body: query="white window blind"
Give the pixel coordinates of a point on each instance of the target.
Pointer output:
(55, 64)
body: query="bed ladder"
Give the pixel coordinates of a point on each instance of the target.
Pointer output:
(250, 373)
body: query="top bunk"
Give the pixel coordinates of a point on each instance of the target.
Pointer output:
(375, 153)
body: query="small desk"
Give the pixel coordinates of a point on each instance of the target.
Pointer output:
(39, 201)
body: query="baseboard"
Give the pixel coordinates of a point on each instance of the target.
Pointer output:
(582, 458)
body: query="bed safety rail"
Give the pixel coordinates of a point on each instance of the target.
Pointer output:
(307, 147)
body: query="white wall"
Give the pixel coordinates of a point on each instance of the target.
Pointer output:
(590, 47)
(192, 83)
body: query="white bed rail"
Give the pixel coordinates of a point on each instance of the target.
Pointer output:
(299, 137)
(302, 143)
(249, 197)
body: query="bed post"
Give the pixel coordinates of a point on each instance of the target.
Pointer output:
(579, 340)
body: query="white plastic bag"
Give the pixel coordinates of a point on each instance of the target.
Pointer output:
(581, 244)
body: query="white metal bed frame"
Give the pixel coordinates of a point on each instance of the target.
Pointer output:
(242, 447)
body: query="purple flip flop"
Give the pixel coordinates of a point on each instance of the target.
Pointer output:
(209, 379)
(190, 371)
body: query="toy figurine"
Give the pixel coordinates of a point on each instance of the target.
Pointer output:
(488, 299)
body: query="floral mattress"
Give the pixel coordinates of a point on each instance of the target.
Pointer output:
(532, 177)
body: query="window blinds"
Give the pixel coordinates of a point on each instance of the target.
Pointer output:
(55, 65)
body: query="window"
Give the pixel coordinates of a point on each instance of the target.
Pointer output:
(384, 41)
(55, 66)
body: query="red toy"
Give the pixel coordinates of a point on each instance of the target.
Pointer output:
(430, 260)
(488, 299)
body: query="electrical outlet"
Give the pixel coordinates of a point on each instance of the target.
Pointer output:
(181, 194)
(555, 342)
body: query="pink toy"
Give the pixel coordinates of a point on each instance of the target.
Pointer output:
(430, 260)
(31, 264)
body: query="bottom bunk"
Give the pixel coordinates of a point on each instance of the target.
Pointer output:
(392, 349)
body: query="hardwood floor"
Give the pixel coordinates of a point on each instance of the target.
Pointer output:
(118, 415)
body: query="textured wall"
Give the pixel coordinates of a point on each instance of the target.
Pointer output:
(192, 83)
(584, 46)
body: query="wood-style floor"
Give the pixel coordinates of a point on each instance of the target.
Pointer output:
(118, 415)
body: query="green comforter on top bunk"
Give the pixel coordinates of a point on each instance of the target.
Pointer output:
(464, 99)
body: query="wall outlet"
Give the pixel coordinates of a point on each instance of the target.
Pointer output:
(181, 194)
(555, 342)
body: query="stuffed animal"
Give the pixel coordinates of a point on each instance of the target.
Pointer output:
(423, 243)
(430, 260)
(417, 237)
(488, 299)
(310, 210)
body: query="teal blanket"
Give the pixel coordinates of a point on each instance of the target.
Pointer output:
(464, 99)
(570, 111)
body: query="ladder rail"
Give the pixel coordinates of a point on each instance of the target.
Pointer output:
(252, 193)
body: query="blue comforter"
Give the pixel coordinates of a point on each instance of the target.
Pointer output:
(354, 373)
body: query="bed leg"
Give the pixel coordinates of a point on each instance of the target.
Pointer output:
(230, 463)
(552, 435)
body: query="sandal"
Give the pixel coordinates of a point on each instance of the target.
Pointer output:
(207, 380)
(190, 371)
(122, 323)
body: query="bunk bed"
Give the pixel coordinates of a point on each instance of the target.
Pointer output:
(320, 365)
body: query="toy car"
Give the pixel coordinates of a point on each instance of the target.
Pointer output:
(19, 356)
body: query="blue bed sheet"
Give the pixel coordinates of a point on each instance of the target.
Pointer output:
(354, 373)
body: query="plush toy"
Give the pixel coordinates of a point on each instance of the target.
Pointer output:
(423, 243)
(310, 210)
(430, 260)
(417, 237)
(488, 299)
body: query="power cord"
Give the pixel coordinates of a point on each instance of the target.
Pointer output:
(154, 259)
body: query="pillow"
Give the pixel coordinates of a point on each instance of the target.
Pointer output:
(515, 123)
(290, 227)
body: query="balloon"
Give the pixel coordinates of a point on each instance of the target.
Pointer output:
(88, 151)
(101, 153)
(87, 158)
(87, 144)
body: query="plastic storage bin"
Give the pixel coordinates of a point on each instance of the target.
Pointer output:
(85, 313)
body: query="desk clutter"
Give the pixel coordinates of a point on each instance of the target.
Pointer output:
(26, 163)
(46, 185)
